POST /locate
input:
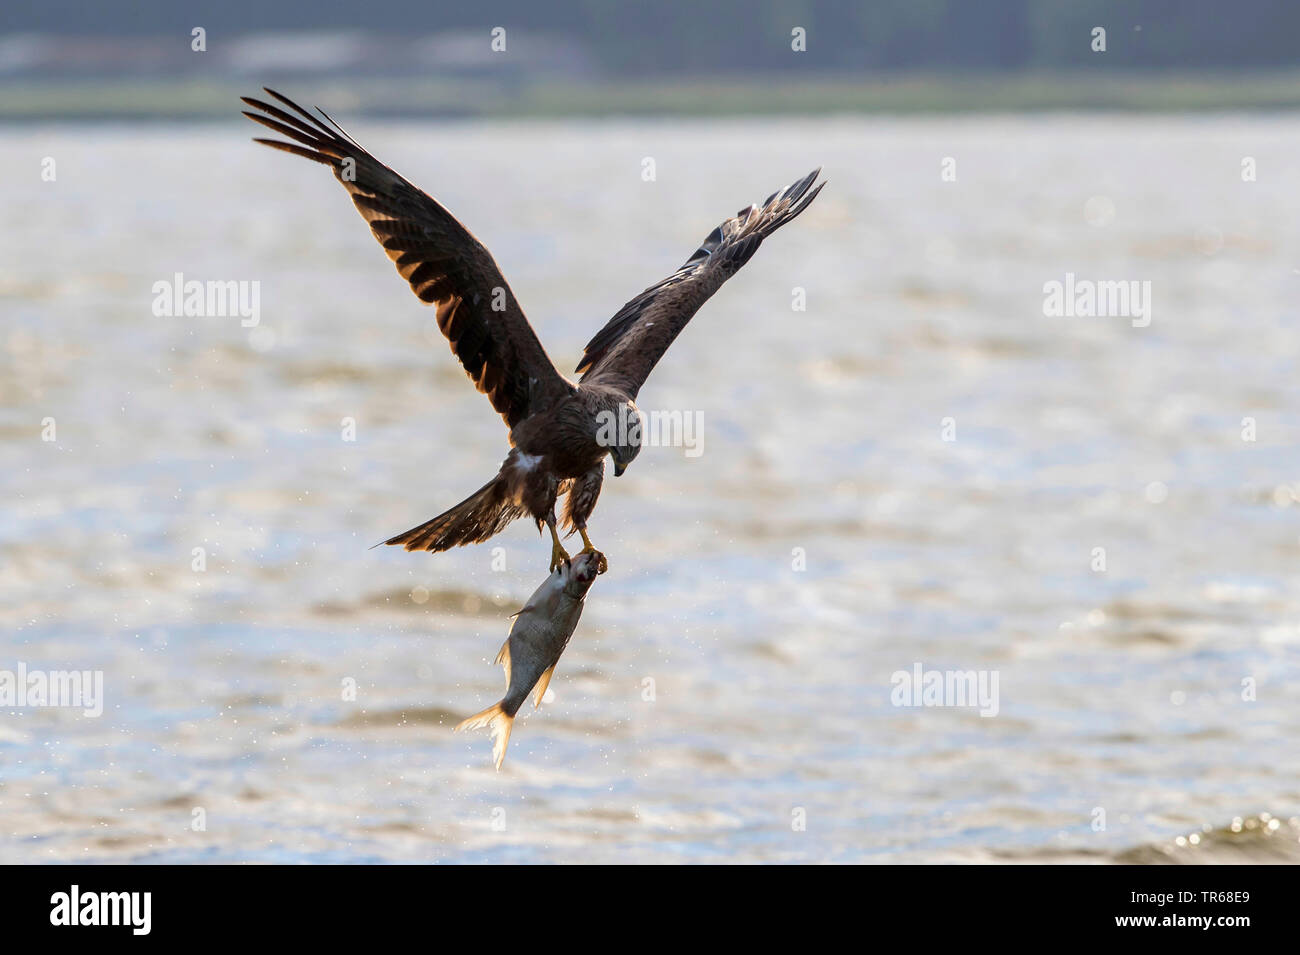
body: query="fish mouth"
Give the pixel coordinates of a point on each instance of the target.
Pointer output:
(593, 565)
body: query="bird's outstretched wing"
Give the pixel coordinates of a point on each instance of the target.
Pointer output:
(444, 264)
(623, 353)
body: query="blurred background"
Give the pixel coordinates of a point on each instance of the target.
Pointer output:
(906, 459)
(588, 58)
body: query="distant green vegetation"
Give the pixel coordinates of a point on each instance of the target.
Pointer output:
(730, 95)
(741, 37)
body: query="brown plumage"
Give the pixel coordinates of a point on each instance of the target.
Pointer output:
(623, 353)
(555, 425)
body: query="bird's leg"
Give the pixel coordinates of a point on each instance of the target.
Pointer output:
(558, 554)
(590, 548)
(582, 495)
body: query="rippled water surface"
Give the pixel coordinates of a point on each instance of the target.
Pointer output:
(731, 676)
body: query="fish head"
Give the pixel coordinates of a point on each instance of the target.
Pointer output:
(578, 573)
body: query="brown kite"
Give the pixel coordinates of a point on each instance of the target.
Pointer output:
(559, 431)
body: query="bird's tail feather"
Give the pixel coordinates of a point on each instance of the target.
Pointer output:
(480, 516)
(495, 719)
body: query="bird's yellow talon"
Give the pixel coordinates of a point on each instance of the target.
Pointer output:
(558, 554)
(590, 548)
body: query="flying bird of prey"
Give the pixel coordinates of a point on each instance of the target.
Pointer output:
(560, 432)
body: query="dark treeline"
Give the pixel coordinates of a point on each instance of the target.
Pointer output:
(745, 36)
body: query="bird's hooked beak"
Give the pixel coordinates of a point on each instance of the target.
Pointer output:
(619, 468)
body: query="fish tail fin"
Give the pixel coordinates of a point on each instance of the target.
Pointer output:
(480, 516)
(495, 719)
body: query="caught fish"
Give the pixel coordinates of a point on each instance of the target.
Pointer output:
(539, 635)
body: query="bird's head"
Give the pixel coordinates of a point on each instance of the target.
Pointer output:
(623, 436)
(623, 457)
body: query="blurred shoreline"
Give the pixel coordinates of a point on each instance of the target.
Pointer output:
(158, 98)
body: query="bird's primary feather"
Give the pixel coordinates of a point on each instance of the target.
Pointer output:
(443, 263)
(623, 353)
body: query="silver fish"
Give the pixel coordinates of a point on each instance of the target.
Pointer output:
(539, 635)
